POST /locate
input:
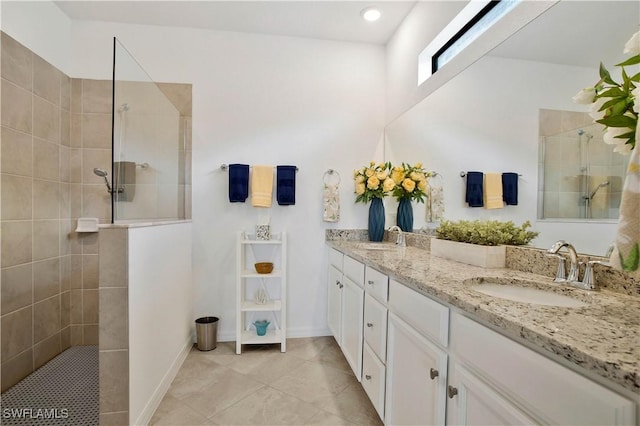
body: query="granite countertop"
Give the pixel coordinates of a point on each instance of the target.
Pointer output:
(603, 337)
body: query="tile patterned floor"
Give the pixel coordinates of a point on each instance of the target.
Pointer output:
(310, 384)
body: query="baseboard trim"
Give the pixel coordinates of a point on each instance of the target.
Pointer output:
(163, 387)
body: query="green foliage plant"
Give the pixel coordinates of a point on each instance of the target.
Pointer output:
(486, 232)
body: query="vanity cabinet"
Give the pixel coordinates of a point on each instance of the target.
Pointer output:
(345, 308)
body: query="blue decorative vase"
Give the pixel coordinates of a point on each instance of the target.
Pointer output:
(261, 327)
(404, 218)
(376, 220)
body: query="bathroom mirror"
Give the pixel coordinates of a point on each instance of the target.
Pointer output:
(488, 117)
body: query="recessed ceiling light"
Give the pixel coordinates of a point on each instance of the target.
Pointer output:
(370, 14)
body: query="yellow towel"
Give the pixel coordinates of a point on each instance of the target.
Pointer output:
(493, 191)
(261, 186)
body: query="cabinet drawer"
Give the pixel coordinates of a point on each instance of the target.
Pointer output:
(375, 326)
(554, 393)
(354, 270)
(373, 379)
(427, 316)
(377, 284)
(335, 258)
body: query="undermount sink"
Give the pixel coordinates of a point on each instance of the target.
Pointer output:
(524, 292)
(377, 246)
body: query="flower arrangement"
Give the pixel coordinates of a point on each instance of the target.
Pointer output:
(616, 105)
(372, 181)
(410, 181)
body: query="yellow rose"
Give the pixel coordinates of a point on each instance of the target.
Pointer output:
(415, 176)
(418, 165)
(397, 176)
(355, 172)
(382, 175)
(373, 182)
(369, 173)
(408, 185)
(381, 166)
(372, 163)
(359, 179)
(388, 184)
(360, 188)
(422, 185)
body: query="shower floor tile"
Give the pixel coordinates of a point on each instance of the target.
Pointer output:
(65, 391)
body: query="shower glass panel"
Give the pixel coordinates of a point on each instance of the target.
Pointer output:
(148, 159)
(583, 177)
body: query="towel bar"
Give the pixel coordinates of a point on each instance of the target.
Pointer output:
(225, 167)
(463, 174)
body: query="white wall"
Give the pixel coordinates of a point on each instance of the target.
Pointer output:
(160, 312)
(42, 27)
(260, 100)
(417, 30)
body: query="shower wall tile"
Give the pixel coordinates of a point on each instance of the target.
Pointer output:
(65, 92)
(46, 350)
(114, 318)
(90, 271)
(16, 241)
(75, 298)
(46, 120)
(75, 131)
(17, 288)
(46, 318)
(16, 369)
(96, 202)
(65, 127)
(75, 165)
(17, 334)
(65, 164)
(15, 107)
(65, 309)
(65, 234)
(65, 273)
(89, 243)
(16, 194)
(76, 272)
(96, 96)
(47, 234)
(179, 95)
(46, 160)
(114, 419)
(17, 62)
(46, 80)
(65, 338)
(114, 263)
(17, 153)
(90, 306)
(76, 200)
(75, 335)
(96, 131)
(46, 279)
(114, 381)
(65, 201)
(46, 199)
(76, 95)
(90, 334)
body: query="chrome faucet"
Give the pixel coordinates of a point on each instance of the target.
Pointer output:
(400, 240)
(572, 278)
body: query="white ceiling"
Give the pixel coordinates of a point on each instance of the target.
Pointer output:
(329, 20)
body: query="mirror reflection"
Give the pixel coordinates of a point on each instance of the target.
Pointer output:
(488, 119)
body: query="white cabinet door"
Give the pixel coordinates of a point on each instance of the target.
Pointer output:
(416, 377)
(334, 302)
(471, 402)
(352, 313)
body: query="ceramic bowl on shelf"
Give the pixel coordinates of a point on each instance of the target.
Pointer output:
(264, 267)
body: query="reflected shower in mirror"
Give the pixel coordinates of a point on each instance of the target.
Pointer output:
(581, 176)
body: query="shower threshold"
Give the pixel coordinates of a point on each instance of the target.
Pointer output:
(64, 391)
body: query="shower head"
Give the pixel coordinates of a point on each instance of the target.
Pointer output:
(100, 172)
(601, 185)
(580, 132)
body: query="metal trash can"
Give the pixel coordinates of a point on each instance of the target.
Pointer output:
(207, 333)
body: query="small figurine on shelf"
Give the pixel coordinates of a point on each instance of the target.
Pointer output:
(261, 327)
(260, 297)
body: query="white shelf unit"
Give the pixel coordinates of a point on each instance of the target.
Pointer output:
(274, 285)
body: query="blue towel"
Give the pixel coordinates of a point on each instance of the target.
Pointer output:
(474, 189)
(238, 183)
(510, 188)
(286, 185)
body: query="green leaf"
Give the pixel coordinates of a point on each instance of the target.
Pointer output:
(605, 76)
(619, 108)
(631, 61)
(626, 135)
(632, 262)
(610, 103)
(614, 92)
(618, 121)
(636, 77)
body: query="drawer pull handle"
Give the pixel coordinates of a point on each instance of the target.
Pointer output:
(452, 391)
(341, 285)
(370, 282)
(369, 324)
(433, 373)
(337, 282)
(368, 377)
